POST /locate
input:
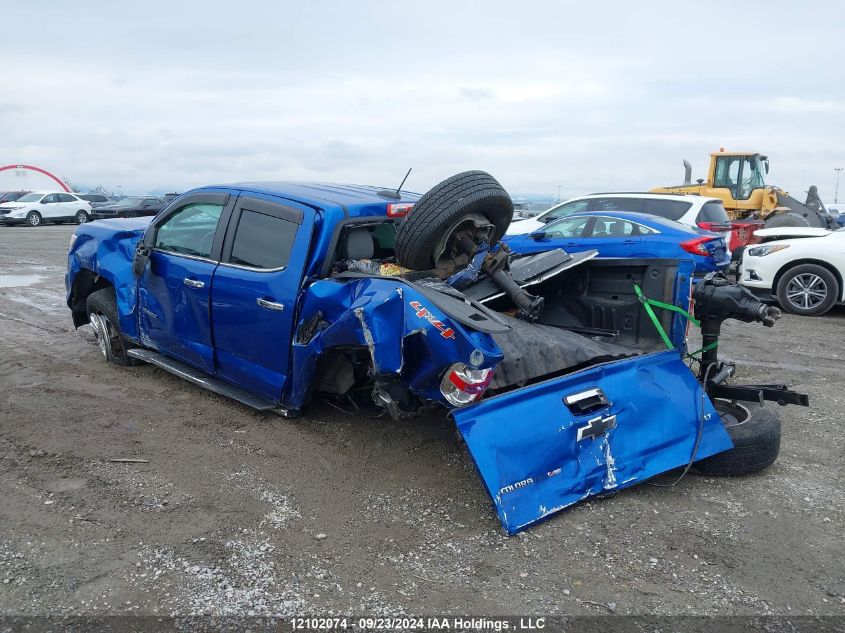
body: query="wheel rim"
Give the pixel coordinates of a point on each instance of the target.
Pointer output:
(100, 326)
(732, 413)
(33, 220)
(806, 291)
(81, 218)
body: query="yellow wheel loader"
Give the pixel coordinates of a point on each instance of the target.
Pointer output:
(739, 180)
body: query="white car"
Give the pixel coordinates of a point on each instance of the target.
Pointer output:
(803, 268)
(697, 211)
(38, 207)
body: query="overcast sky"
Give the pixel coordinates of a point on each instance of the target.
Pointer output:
(583, 96)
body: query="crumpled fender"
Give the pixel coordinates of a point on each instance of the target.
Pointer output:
(406, 336)
(106, 248)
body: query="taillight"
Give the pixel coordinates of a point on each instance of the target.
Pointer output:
(399, 209)
(697, 246)
(462, 385)
(718, 227)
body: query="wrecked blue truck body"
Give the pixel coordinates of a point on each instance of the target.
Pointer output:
(276, 293)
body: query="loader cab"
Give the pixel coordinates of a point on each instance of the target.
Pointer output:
(742, 174)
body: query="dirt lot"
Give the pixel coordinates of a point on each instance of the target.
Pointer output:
(244, 513)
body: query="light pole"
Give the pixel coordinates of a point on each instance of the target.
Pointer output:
(836, 192)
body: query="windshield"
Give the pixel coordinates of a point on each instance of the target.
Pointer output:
(31, 197)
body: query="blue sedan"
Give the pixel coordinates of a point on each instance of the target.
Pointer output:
(625, 234)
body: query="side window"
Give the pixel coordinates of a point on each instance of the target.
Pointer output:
(64, 197)
(669, 209)
(612, 227)
(151, 202)
(53, 197)
(616, 204)
(189, 230)
(713, 211)
(262, 241)
(568, 227)
(645, 230)
(566, 209)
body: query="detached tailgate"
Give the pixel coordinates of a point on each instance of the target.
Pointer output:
(542, 448)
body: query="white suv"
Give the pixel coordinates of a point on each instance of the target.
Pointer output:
(697, 211)
(38, 207)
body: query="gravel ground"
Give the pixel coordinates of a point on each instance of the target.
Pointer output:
(241, 513)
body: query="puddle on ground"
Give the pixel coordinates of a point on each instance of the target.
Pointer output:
(16, 281)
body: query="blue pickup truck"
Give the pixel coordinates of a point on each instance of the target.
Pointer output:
(561, 380)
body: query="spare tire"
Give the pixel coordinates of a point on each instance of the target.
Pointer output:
(786, 219)
(755, 432)
(470, 205)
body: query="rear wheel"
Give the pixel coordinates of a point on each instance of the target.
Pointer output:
(808, 290)
(102, 314)
(33, 218)
(81, 217)
(755, 432)
(471, 206)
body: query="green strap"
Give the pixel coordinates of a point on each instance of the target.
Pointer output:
(706, 348)
(647, 303)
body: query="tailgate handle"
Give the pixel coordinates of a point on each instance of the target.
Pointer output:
(586, 401)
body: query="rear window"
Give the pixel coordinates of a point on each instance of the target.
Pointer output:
(262, 241)
(713, 211)
(669, 209)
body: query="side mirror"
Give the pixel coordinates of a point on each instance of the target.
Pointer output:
(547, 219)
(537, 235)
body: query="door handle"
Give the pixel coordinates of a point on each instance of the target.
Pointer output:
(193, 283)
(270, 305)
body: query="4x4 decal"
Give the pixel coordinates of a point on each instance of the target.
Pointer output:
(424, 313)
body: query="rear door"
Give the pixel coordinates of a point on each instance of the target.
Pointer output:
(69, 205)
(613, 237)
(175, 289)
(542, 448)
(253, 298)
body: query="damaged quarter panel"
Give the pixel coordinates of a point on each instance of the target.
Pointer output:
(369, 313)
(626, 421)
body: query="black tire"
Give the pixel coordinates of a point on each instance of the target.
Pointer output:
(81, 217)
(807, 290)
(786, 219)
(755, 431)
(102, 314)
(33, 218)
(442, 207)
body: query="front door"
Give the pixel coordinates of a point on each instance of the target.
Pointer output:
(51, 207)
(253, 297)
(174, 291)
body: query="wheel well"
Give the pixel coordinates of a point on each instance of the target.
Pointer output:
(798, 262)
(84, 283)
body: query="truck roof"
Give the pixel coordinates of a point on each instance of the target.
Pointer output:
(353, 200)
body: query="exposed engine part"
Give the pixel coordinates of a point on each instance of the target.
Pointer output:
(716, 300)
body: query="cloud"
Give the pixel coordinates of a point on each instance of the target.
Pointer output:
(175, 95)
